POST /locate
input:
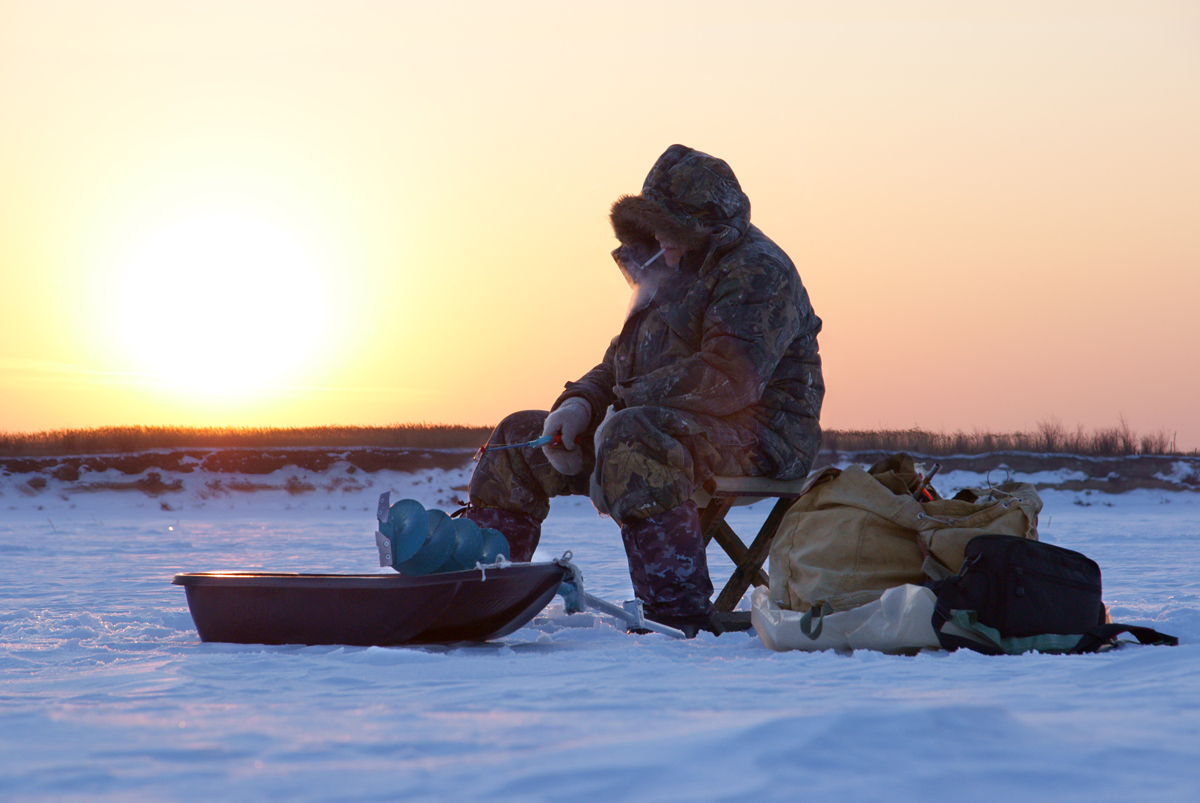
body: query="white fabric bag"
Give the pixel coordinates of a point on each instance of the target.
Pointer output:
(897, 622)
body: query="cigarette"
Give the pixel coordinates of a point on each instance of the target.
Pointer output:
(646, 264)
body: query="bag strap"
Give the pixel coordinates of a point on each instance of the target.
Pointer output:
(1102, 635)
(975, 635)
(972, 634)
(806, 621)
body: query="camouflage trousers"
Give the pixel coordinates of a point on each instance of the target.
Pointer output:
(649, 460)
(668, 565)
(646, 463)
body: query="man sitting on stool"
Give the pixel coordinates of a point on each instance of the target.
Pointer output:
(715, 372)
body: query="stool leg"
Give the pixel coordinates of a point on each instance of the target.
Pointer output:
(749, 562)
(713, 513)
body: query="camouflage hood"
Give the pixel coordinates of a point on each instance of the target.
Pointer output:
(687, 195)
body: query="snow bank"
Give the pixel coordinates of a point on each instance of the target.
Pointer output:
(107, 694)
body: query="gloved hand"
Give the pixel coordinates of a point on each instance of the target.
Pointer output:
(568, 421)
(594, 490)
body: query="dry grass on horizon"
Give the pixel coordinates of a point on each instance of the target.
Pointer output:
(1050, 438)
(123, 440)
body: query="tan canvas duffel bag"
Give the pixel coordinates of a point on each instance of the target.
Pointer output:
(856, 533)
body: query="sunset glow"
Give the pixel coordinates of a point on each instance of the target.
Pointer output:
(265, 213)
(220, 304)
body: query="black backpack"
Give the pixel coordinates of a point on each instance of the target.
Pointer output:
(1014, 594)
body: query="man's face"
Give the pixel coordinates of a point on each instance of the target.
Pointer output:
(672, 251)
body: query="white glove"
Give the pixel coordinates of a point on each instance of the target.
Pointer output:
(568, 421)
(594, 491)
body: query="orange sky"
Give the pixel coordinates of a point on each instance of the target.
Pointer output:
(995, 207)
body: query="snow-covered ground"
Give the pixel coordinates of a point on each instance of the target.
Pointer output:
(106, 692)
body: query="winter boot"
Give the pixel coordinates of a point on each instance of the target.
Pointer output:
(522, 530)
(669, 568)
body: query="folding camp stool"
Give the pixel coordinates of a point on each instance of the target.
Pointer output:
(715, 499)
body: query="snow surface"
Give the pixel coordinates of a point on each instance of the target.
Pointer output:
(106, 692)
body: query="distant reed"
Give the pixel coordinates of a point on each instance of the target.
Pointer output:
(124, 440)
(1050, 437)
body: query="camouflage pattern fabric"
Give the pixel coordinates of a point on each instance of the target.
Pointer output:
(651, 470)
(733, 336)
(521, 530)
(522, 479)
(715, 371)
(668, 565)
(651, 460)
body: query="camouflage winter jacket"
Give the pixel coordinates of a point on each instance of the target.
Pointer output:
(730, 339)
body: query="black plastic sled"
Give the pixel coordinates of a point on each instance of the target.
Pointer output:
(368, 609)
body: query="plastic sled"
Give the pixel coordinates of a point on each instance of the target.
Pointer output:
(368, 609)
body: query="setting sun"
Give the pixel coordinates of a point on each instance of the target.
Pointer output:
(364, 213)
(220, 303)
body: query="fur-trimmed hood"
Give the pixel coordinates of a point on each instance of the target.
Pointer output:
(687, 195)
